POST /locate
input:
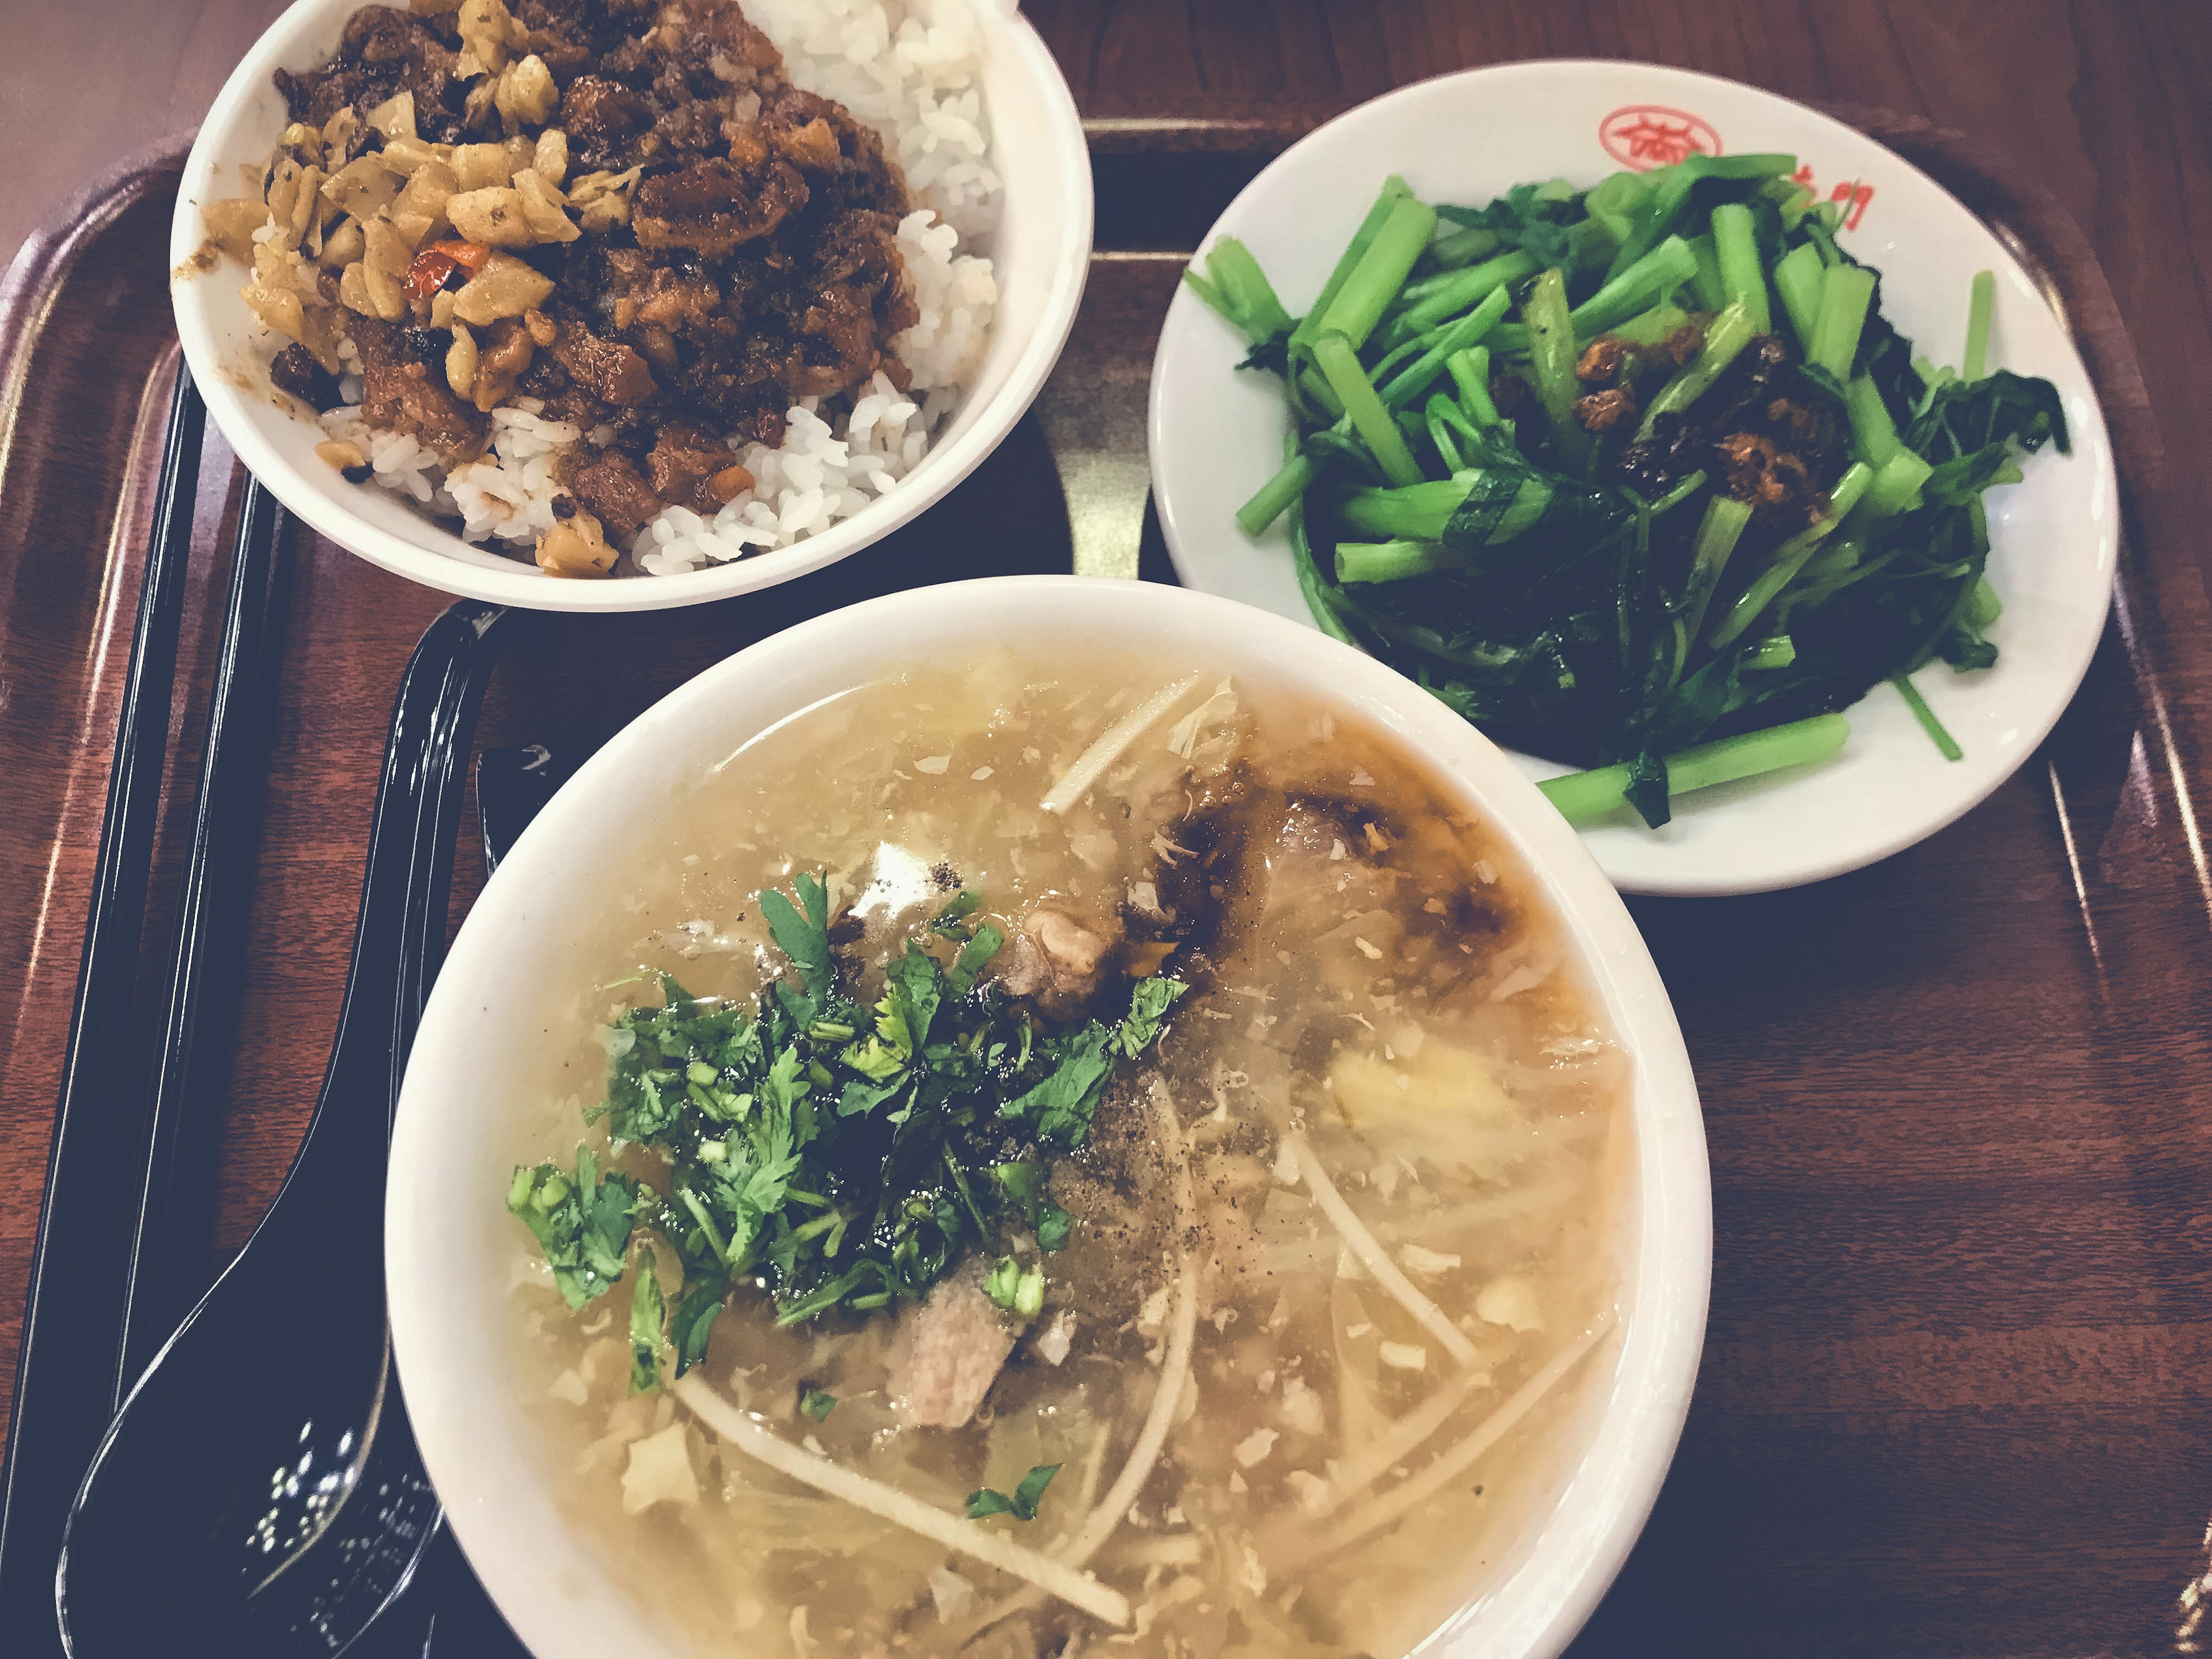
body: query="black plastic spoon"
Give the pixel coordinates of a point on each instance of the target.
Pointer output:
(260, 1493)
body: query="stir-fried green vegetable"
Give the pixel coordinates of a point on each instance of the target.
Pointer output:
(1626, 474)
(839, 1154)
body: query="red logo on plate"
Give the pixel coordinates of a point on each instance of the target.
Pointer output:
(1646, 136)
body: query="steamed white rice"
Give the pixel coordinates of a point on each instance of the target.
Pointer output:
(911, 69)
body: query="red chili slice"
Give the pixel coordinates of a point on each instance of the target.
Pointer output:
(439, 261)
(471, 256)
(429, 273)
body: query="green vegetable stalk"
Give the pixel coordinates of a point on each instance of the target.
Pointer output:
(1585, 797)
(1743, 279)
(1276, 495)
(1981, 307)
(1706, 281)
(1799, 278)
(1466, 289)
(1779, 652)
(1947, 744)
(1470, 372)
(1381, 272)
(1463, 247)
(1845, 293)
(1650, 279)
(1394, 190)
(1724, 523)
(1874, 434)
(1896, 484)
(1552, 353)
(1235, 286)
(1725, 338)
(1310, 585)
(1789, 558)
(1440, 347)
(1376, 427)
(1390, 561)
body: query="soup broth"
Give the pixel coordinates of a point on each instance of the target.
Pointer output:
(1341, 1253)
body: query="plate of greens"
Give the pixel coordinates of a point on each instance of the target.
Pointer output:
(1699, 450)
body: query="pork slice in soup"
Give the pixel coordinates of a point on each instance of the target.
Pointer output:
(1180, 1213)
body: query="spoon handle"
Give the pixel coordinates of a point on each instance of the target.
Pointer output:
(411, 843)
(400, 938)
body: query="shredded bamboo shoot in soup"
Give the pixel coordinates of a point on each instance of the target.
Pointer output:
(1070, 1154)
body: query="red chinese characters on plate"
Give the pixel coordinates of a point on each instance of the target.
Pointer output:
(1853, 197)
(1641, 137)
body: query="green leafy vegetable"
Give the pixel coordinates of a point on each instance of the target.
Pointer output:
(1592, 554)
(817, 1404)
(1023, 1505)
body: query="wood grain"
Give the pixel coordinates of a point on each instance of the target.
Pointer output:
(1958, 1106)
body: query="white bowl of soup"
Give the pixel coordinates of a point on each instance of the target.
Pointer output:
(1036, 1110)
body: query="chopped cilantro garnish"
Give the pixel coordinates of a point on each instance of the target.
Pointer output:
(1149, 1002)
(804, 938)
(648, 1314)
(1015, 1288)
(1058, 1108)
(1023, 1505)
(1024, 1183)
(583, 1226)
(695, 1318)
(837, 1153)
(975, 956)
(1053, 1223)
(817, 1403)
(951, 920)
(1032, 1488)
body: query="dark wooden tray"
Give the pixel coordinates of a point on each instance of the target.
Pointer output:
(1956, 1381)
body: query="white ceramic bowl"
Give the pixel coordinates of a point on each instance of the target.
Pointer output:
(1465, 138)
(1040, 254)
(473, 1093)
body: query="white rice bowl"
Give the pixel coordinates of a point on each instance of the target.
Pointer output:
(911, 69)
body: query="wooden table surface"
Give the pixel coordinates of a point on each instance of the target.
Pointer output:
(1957, 1395)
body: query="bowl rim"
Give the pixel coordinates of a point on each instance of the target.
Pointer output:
(2092, 445)
(1667, 1247)
(233, 407)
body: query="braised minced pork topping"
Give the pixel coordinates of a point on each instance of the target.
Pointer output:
(622, 210)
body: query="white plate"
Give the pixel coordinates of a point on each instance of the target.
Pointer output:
(1216, 435)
